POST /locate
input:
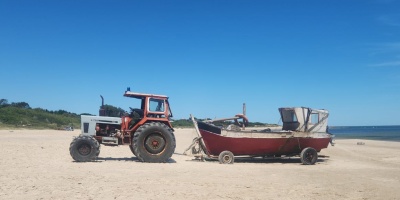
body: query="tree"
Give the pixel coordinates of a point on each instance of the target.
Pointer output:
(86, 114)
(182, 123)
(113, 111)
(3, 103)
(21, 105)
(61, 112)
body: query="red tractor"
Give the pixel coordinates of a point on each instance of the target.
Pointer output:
(146, 130)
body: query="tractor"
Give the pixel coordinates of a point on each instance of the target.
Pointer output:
(146, 130)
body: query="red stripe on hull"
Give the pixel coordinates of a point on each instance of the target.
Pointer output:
(215, 144)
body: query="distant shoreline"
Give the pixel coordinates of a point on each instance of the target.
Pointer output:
(363, 126)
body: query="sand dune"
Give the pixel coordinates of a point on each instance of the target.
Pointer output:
(37, 165)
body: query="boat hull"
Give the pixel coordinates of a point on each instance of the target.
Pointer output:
(270, 144)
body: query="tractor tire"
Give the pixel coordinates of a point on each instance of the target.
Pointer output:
(84, 148)
(132, 149)
(308, 156)
(154, 142)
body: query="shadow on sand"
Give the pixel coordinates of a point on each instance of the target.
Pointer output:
(290, 160)
(125, 159)
(284, 160)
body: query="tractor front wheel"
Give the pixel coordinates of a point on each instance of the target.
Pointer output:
(154, 142)
(84, 148)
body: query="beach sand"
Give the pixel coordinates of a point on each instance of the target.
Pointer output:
(36, 164)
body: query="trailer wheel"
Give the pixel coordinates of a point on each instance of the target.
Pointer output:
(308, 156)
(154, 142)
(226, 157)
(84, 148)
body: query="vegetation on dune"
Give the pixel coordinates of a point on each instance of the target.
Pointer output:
(21, 115)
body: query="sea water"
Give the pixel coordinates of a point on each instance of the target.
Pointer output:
(388, 133)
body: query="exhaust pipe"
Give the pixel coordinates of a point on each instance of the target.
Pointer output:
(102, 112)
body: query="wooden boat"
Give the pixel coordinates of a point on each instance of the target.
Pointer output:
(304, 133)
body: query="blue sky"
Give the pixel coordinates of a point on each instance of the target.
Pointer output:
(209, 57)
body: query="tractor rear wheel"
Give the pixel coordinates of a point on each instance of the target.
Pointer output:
(132, 149)
(84, 148)
(154, 142)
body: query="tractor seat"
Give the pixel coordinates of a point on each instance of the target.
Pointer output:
(136, 113)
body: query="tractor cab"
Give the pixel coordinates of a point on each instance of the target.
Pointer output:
(153, 108)
(151, 105)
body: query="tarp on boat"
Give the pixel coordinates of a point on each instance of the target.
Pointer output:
(304, 119)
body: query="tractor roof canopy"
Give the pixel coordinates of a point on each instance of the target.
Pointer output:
(143, 95)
